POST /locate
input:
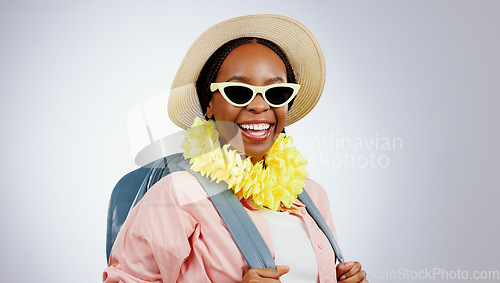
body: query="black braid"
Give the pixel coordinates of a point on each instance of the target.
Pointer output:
(212, 66)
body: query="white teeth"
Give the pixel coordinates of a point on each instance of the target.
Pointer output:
(255, 127)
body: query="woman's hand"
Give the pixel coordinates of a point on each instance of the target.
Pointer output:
(265, 275)
(350, 272)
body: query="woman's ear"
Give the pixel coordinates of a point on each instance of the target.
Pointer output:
(209, 114)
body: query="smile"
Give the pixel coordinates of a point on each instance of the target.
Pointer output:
(256, 131)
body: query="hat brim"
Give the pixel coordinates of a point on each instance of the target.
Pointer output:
(296, 40)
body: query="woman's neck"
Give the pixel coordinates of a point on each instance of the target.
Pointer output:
(254, 159)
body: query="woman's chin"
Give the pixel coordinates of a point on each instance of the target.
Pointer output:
(257, 151)
(253, 145)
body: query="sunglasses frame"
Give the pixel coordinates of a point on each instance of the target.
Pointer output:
(255, 90)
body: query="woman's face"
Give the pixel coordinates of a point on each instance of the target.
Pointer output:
(253, 64)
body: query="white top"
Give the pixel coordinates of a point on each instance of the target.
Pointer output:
(292, 246)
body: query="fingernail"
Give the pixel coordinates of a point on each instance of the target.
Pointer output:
(349, 264)
(342, 277)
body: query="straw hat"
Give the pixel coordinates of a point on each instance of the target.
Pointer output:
(296, 40)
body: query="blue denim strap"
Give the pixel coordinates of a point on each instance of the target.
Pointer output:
(314, 212)
(241, 227)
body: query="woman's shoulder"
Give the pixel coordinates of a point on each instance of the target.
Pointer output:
(315, 190)
(318, 196)
(171, 201)
(172, 195)
(180, 187)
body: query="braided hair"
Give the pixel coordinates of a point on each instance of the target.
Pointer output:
(212, 66)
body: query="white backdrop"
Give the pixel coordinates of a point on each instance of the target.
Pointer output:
(405, 138)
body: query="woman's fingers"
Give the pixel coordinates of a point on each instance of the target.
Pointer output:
(356, 267)
(351, 273)
(342, 268)
(283, 269)
(265, 275)
(359, 277)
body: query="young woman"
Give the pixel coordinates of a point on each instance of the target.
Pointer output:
(239, 85)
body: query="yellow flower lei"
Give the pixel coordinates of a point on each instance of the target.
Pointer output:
(278, 182)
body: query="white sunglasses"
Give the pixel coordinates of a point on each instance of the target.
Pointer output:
(241, 94)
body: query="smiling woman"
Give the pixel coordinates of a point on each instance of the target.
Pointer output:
(246, 90)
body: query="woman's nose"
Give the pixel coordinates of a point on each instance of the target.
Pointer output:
(258, 104)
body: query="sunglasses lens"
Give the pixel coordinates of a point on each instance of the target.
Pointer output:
(238, 94)
(279, 95)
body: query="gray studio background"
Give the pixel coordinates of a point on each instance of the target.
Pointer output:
(405, 138)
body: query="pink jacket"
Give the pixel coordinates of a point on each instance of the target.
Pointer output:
(175, 234)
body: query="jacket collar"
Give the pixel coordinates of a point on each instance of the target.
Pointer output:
(249, 204)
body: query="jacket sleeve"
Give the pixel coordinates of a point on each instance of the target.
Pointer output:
(154, 240)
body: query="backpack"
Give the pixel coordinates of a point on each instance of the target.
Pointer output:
(133, 186)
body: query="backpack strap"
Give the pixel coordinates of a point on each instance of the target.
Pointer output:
(241, 227)
(320, 221)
